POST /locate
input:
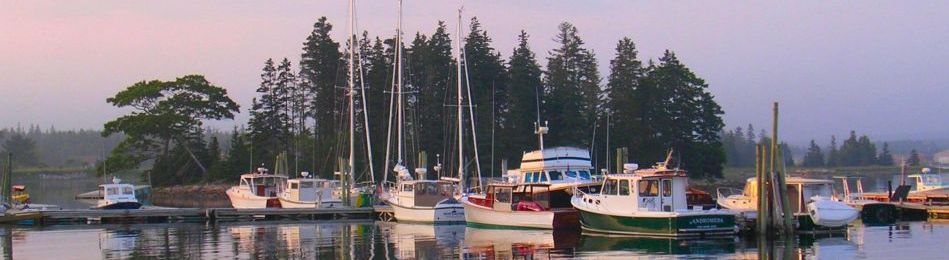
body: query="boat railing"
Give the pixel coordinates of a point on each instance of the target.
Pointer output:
(725, 192)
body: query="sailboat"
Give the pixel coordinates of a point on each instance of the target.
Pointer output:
(416, 200)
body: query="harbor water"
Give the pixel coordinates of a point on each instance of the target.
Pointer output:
(366, 239)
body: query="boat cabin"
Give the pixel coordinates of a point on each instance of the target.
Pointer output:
(117, 191)
(309, 189)
(651, 189)
(521, 197)
(555, 166)
(424, 193)
(925, 182)
(263, 185)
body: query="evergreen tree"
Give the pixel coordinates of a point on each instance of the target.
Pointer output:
(833, 157)
(430, 72)
(914, 159)
(268, 123)
(320, 75)
(622, 91)
(573, 90)
(487, 77)
(23, 150)
(814, 156)
(885, 158)
(524, 96)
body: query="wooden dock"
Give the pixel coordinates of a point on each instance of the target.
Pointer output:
(165, 215)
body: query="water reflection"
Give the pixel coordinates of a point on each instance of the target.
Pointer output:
(368, 240)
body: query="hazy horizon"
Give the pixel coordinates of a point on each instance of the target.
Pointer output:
(835, 67)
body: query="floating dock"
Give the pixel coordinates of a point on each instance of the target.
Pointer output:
(159, 214)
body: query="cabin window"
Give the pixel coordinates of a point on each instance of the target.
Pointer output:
(543, 177)
(244, 182)
(426, 188)
(128, 191)
(112, 190)
(503, 195)
(306, 185)
(407, 188)
(294, 186)
(648, 188)
(555, 175)
(585, 175)
(571, 174)
(624, 187)
(609, 187)
(666, 188)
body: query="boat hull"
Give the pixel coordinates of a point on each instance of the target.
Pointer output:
(285, 203)
(121, 205)
(442, 213)
(671, 225)
(552, 219)
(241, 200)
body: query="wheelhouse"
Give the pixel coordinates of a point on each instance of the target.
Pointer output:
(425, 193)
(263, 185)
(650, 189)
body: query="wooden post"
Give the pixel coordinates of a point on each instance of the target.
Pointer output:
(780, 180)
(762, 220)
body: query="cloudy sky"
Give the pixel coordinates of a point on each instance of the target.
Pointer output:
(873, 66)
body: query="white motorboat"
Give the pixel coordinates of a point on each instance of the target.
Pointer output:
(310, 193)
(257, 190)
(801, 193)
(650, 202)
(117, 195)
(424, 201)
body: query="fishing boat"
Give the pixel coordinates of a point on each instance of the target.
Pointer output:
(650, 202)
(117, 195)
(306, 192)
(812, 202)
(257, 190)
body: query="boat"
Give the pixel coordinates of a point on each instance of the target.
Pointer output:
(538, 194)
(649, 202)
(871, 211)
(493, 243)
(424, 201)
(117, 195)
(20, 195)
(308, 192)
(257, 190)
(812, 202)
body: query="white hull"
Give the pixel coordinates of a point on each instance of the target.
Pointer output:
(487, 216)
(242, 200)
(831, 213)
(285, 203)
(441, 213)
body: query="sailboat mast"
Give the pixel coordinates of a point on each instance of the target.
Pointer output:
(461, 146)
(348, 172)
(398, 46)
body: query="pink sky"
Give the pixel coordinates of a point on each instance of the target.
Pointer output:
(873, 66)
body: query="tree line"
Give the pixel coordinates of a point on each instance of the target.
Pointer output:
(36, 147)
(648, 106)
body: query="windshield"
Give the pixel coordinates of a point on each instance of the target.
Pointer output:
(555, 175)
(585, 175)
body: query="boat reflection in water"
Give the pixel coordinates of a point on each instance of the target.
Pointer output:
(421, 241)
(484, 243)
(595, 244)
(118, 243)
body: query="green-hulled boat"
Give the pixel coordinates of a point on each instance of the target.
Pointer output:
(649, 202)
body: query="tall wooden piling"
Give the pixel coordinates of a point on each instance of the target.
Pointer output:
(780, 181)
(762, 219)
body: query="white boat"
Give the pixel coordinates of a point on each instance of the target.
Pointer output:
(802, 192)
(257, 190)
(928, 184)
(310, 193)
(650, 202)
(424, 201)
(117, 195)
(538, 194)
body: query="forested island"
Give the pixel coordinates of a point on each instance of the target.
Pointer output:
(646, 106)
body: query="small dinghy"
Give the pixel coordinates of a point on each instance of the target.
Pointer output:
(117, 195)
(827, 212)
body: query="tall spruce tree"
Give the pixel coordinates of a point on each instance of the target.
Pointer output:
(268, 123)
(623, 94)
(319, 70)
(524, 95)
(686, 118)
(833, 156)
(488, 80)
(572, 91)
(914, 159)
(430, 72)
